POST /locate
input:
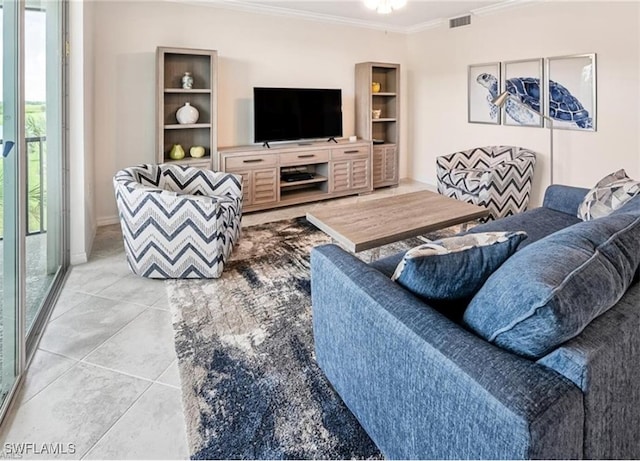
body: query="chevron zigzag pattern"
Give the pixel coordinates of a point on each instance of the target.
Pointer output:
(178, 222)
(496, 177)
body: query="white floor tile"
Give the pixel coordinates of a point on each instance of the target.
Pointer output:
(143, 348)
(153, 428)
(44, 369)
(76, 409)
(80, 330)
(68, 300)
(135, 289)
(171, 376)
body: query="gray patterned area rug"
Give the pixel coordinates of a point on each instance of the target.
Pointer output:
(251, 387)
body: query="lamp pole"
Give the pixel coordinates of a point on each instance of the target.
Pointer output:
(501, 100)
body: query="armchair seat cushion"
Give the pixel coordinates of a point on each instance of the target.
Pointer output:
(467, 179)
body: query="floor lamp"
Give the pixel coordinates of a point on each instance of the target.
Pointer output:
(501, 100)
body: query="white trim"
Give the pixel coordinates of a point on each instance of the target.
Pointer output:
(239, 5)
(500, 7)
(242, 5)
(78, 258)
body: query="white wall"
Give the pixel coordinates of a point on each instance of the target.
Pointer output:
(81, 115)
(437, 81)
(264, 50)
(254, 50)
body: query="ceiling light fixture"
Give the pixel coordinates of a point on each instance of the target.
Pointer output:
(385, 6)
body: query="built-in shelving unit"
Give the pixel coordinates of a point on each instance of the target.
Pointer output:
(384, 131)
(171, 64)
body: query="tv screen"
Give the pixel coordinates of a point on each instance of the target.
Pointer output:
(286, 114)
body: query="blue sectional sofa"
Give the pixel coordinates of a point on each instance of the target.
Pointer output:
(424, 386)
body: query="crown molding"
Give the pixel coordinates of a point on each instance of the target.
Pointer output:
(263, 8)
(239, 5)
(500, 7)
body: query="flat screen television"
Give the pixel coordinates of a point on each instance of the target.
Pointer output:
(288, 114)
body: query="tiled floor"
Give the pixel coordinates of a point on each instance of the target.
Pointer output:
(105, 376)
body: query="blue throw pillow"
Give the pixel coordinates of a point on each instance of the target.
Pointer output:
(455, 268)
(549, 291)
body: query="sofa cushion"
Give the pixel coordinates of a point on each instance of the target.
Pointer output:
(549, 291)
(609, 194)
(455, 268)
(537, 223)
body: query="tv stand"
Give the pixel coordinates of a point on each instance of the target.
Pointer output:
(332, 170)
(332, 139)
(266, 144)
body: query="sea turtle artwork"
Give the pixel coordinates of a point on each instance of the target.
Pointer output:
(563, 106)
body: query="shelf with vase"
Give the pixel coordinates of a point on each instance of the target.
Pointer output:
(178, 126)
(185, 88)
(378, 117)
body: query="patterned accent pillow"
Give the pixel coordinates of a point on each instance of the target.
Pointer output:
(611, 192)
(455, 268)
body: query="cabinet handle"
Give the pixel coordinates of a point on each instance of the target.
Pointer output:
(351, 151)
(306, 156)
(255, 160)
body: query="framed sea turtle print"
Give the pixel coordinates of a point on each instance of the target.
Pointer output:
(571, 95)
(524, 82)
(483, 83)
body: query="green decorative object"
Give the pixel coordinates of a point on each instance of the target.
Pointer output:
(177, 152)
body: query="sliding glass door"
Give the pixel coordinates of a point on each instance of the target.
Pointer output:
(11, 354)
(43, 150)
(32, 203)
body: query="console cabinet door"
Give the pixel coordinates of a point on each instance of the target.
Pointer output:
(246, 188)
(352, 174)
(378, 166)
(265, 186)
(385, 166)
(391, 164)
(258, 186)
(360, 173)
(340, 173)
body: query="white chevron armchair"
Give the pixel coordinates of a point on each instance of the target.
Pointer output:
(178, 222)
(496, 177)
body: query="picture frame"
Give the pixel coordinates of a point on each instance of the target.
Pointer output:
(571, 96)
(483, 84)
(524, 79)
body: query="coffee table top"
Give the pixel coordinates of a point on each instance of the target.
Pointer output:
(373, 223)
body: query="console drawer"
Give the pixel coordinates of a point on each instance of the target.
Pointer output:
(249, 161)
(350, 152)
(304, 158)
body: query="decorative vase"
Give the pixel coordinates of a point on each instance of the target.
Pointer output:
(375, 113)
(177, 152)
(187, 114)
(375, 87)
(187, 81)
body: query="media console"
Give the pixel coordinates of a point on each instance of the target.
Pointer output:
(331, 170)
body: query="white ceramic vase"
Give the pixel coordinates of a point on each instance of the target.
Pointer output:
(187, 114)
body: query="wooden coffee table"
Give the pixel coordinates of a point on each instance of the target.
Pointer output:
(373, 223)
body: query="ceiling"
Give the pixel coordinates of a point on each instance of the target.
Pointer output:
(416, 15)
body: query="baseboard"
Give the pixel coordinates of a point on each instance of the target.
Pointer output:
(78, 258)
(107, 220)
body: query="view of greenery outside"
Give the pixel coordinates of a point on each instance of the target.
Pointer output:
(35, 127)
